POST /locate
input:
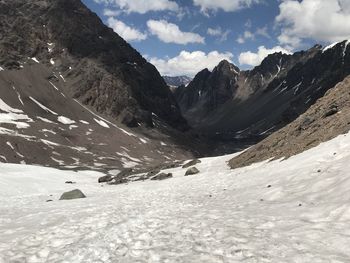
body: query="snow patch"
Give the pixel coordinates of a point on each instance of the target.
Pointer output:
(42, 106)
(101, 123)
(35, 59)
(65, 120)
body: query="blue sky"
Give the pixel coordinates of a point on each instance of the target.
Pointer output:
(185, 36)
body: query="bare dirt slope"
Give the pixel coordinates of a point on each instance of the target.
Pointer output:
(326, 119)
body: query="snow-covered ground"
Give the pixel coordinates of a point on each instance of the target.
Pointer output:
(297, 210)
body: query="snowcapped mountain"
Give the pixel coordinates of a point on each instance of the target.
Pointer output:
(175, 82)
(266, 98)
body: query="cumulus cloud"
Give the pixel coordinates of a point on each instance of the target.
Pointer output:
(255, 59)
(189, 63)
(171, 33)
(320, 20)
(225, 5)
(125, 31)
(142, 6)
(219, 33)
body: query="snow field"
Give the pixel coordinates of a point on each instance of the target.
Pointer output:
(296, 210)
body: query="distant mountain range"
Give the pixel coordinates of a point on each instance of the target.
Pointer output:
(259, 101)
(177, 81)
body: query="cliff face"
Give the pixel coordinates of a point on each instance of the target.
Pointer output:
(99, 67)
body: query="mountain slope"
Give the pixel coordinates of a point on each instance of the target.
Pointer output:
(41, 124)
(100, 68)
(323, 121)
(272, 94)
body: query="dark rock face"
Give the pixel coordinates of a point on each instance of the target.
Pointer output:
(208, 91)
(101, 69)
(260, 101)
(75, 194)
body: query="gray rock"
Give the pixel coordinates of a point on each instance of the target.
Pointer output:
(118, 180)
(191, 163)
(191, 171)
(105, 179)
(75, 194)
(162, 176)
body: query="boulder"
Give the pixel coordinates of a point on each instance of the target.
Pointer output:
(191, 171)
(74, 194)
(105, 179)
(191, 163)
(162, 176)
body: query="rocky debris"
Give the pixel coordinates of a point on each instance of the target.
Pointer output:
(49, 200)
(162, 176)
(292, 140)
(105, 179)
(192, 171)
(69, 182)
(191, 163)
(153, 172)
(333, 110)
(118, 180)
(74, 194)
(125, 172)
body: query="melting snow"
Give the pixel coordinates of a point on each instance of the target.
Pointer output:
(65, 120)
(280, 211)
(101, 123)
(42, 106)
(13, 116)
(52, 62)
(1, 69)
(45, 120)
(35, 59)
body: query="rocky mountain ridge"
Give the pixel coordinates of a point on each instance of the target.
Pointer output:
(266, 98)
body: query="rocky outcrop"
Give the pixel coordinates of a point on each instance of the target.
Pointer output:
(74, 194)
(99, 67)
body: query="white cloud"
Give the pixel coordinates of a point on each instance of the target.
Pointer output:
(189, 63)
(246, 35)
(226, 5)
(255, 59)
(320, 20)
(125, 31)
(171, 33)
(218, 32)
(142, 6)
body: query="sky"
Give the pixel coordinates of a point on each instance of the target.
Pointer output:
(182, 37)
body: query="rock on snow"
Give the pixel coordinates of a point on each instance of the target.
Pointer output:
(220, 215)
